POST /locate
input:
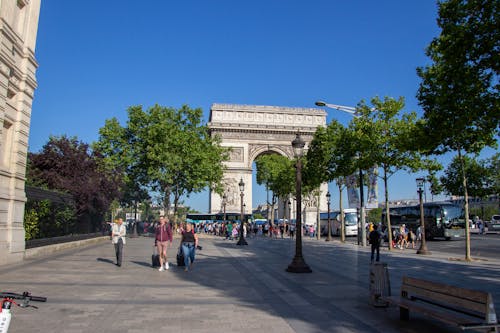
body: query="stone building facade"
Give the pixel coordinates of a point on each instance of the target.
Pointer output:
(18, 30)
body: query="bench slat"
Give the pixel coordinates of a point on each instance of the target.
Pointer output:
(435, 312)
(466, 306)
(455, 305)
(472, 295)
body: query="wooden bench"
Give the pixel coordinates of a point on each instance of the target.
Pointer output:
(469, 309)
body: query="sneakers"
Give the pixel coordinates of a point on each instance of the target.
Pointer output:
(161, 269)
(166, 265)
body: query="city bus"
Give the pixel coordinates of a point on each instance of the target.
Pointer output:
(442, 219)
(350, 220)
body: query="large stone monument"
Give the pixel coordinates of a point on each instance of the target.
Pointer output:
(253, 130)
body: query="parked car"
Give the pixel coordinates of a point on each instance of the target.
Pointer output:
(494, 224)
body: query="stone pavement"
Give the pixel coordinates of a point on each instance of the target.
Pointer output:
(231, 288)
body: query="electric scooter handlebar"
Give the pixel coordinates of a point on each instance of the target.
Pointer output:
(38, 298)
(26, 296)
(7, 300)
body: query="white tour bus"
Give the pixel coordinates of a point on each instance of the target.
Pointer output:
(350, 220)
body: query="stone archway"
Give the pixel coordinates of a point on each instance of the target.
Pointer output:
(252, 130)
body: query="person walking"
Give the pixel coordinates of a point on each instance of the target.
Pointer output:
(118, 232)
(374, 238)
(481, 227)
(229, 230)
(163, 237)
(189, 242)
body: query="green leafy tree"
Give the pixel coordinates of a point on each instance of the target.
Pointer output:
(166, 150)
(331, 157)
(385, 137)
(478, 178)
(258, 216)
(375, 215)
(459, 91)
(277, 173)
(92, 188)
(435, 185)
(494, 172)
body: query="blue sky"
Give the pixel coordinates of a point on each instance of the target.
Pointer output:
(97, 58)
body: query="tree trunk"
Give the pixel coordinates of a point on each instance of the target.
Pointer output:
(176, 205)
(466, 207)
(166, 199)
(387, 211)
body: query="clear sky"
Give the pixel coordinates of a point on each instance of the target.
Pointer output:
(96, 58)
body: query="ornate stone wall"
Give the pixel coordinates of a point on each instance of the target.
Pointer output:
(18, 29)
(252, 130)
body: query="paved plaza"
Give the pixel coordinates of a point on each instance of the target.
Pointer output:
(230, 289)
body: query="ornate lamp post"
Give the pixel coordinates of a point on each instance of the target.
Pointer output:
(329, 237)
(298, 264)
(242, 240)
(423, 245)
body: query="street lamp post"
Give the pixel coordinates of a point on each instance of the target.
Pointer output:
(423, 245)
(329, 237)
(242, 240)
(298, 264)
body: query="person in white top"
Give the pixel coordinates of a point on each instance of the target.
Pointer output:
(118, 232)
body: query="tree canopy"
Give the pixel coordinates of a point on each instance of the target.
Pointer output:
(166, 150)
(459, 92)
(69, 165)
(277, 173)
(480, 182)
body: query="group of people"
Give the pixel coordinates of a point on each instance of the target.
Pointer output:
(231, 230)
(402, 238)
(163, 240)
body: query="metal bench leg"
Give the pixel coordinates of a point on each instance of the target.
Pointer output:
(404, 314)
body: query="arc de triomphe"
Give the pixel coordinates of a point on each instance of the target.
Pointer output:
(252, 130)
